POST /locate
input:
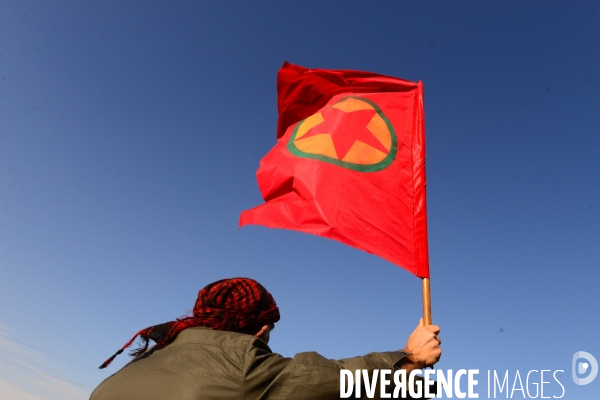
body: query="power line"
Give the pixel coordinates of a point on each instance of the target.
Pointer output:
(43, 373)
(52, 354)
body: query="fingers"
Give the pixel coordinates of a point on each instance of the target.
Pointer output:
(435, 352)
(424, 343)
(434, 329)
(435, 358)
(431, 328)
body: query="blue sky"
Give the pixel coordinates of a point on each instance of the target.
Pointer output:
(130, 133)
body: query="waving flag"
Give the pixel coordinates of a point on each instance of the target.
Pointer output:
(349, 163)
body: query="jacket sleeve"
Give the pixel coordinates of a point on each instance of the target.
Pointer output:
(305, 376)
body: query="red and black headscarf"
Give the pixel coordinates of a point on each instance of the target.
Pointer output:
(238, 304)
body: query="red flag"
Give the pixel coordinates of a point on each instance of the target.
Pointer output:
(349, 163)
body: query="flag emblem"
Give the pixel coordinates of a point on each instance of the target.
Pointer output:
(351, 132)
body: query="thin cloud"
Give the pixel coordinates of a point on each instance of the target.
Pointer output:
(60, 389)
(42, 388)
(10, 391)
(24, 383)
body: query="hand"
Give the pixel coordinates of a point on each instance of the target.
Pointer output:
(424, 344)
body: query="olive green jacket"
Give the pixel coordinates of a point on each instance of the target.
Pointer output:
(206, 364)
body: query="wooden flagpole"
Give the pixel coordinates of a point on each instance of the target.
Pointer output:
(426, 302)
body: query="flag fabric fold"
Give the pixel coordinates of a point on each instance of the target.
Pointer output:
(349, 163)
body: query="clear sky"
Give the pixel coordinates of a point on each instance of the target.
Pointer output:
(130, 133)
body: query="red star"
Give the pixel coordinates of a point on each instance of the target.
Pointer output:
(345, 129)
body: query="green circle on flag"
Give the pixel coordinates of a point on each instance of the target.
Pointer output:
(352, 133)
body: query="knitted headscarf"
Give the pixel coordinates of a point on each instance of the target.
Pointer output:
(238, 304)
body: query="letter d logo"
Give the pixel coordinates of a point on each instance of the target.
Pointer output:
(583, 366)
